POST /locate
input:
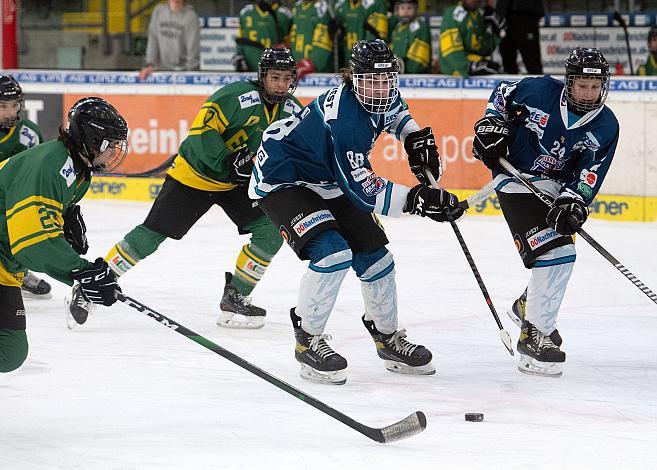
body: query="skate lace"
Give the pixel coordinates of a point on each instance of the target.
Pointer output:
(244, 299)
(79, 299)
(543, 341)
(320, 346)
(31, 281)
(400, 344)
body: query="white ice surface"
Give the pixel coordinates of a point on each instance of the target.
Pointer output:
(125, 392)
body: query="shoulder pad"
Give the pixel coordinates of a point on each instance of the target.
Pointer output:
(459, 13)
(247, 8)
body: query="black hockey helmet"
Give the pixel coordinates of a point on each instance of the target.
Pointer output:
(276, 59)
(585, 62)
(652, 34)
(375, 75)
(10, 93)
(94, 127)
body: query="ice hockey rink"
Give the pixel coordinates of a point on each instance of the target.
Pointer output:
(124, 392)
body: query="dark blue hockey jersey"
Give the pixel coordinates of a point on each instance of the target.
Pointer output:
(546, 139)
(326, 146)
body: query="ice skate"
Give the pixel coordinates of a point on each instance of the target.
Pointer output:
(398, 354)
(517, 314)
(237, 310)
(77, 308)
(319, 362)
(35, 288)
(538, 354)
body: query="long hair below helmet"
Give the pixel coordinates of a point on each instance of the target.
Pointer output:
(276, 59)
(588, 63)
(98, 132)
(11, 93)
(374, 75)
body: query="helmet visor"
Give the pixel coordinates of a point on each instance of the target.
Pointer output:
(111, 155)
(376, 92)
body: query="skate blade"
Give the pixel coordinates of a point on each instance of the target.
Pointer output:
(334, 377)
(239, 322)
(514, 318)
(530, 366)
(31, 295)
(401, 368)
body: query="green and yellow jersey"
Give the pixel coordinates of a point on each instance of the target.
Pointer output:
(261, 27)
(36, 187)
(411, 42)
(463, 39)
(24, 135)
(360, 19)
(234, 117)
(650, 67)
(309, 36)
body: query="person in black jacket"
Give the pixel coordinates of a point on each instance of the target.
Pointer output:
(521, 34)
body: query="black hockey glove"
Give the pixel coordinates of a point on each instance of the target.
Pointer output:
(484, 67)
(495, 20)
(433, 203)
(240, 165)
(423, 154)
(98, 282)
(491, 141)
(568, 214)
(75, 231)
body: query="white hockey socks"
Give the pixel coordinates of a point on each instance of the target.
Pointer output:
(547, 287)
(319, 290)
(380, 294)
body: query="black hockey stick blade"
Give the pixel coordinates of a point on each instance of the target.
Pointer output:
(407, 427)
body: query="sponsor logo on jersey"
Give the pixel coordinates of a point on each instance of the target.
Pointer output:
(304, 225)
(249, 99)
(589, 142)
(531, 232)
(588, 177)
(68, 172)
(360, 174)
(332, 102)
(541, 238)
(290, 107)
(534, 126)
(584, 189)
(545, 162)
(373, 185)
(539, 117)
(27, 137)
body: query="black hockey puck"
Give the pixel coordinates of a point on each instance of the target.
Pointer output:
(476, 417)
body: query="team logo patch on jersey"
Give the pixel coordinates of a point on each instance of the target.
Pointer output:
(249, 99)
(541, 238)
(28, 137)
(68, 172)
(304, 225)
(373, 185)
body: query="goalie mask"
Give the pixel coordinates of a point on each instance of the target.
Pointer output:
(99, 133)
(11, 101)
(375, 75)
(277, 74)
(587, 79)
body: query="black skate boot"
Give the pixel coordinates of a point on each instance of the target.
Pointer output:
(398, 354)
(35, 287)
(517, 314)
(538, 354)
(237, 311)
(319, 363)
(77, 308)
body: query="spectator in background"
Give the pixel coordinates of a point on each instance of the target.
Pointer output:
(467, 39)
(174, 35)
(410, 39)
(310, 41)
(357, 20)
(263, 24)
(522, 34)
(650, 67)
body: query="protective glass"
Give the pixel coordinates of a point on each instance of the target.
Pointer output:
(376, 92)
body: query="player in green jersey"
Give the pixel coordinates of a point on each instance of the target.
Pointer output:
(18, 134)
(263, 24)
(466, 41)
(40, 224)
(410, 39)
(358, 20)
(310, 41)
(650, 67)
(213, 166)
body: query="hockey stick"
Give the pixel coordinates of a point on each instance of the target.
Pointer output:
(621, 21)
(478, 197)
(150, 172)
(608, 256)
(504, 335)
(407, 427)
